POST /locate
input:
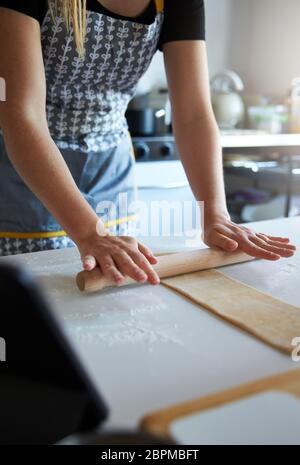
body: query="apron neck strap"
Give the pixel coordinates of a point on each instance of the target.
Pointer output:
(159, 5)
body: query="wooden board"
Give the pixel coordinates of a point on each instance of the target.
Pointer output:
(159, 423)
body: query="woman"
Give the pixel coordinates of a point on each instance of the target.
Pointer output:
(71, 67)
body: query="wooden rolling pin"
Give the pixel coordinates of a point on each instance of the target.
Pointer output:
(167, 266)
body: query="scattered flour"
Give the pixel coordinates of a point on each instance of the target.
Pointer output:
(115, 319)
(128, 316)
(127, 333)
(288, 268)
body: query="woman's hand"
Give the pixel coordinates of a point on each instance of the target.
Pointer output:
(225, 234)
(118, 257)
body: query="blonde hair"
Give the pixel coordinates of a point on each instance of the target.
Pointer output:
(74, 14)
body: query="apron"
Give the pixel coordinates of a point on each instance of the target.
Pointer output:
(87, 98)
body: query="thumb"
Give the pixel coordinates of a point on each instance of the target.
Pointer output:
(89, 263)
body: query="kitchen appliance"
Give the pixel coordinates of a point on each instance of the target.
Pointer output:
(159, 100)
(227, 103)
(156, 148)
(160, 176)
(140, 117)
(141, 122)
(272, 119)
(150, 114)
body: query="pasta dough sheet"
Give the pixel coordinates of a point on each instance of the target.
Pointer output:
(265, 317)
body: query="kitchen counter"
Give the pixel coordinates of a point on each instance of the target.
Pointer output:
(285, 146)
(147, 348)
(239, 138)
(246, 139)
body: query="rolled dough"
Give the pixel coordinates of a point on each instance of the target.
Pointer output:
(265, 317)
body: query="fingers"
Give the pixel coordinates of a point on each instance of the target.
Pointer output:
(127, 267)
(247, 246)
(256, 251)
(222, 241)
(110, 270)
(258, 245)
(89, 263)
(118, 257)
(141, 261)
(277, 239)
(230, 236)
(285, 244)
(281, 251)
(148, 254)
(143, 258)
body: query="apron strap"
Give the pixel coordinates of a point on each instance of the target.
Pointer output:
(159, 5)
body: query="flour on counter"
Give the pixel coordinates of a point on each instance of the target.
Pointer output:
(136, 316)
(289, 268)
(126, 333)
(126, 316)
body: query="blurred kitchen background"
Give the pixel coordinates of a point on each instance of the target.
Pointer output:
(254, 61)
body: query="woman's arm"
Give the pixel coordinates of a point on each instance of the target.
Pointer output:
(24, 125)
(38, 160)
(198, 140)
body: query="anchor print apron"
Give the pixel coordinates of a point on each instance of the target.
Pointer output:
(86, 102)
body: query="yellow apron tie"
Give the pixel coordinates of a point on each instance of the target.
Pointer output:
(159, 5)
(49, 235)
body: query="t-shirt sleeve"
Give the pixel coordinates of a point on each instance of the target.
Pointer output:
(33, 8)
(184, 20)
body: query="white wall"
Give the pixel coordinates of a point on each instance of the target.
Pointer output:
(259, 39)
(264, 44)
(155, 76)
(237, 55)
(218, 33)
(274, 46)
(218, 13)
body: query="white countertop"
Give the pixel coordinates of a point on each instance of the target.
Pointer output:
(147, 348)
(248, 140)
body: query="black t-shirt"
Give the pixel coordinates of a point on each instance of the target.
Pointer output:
(184, 19)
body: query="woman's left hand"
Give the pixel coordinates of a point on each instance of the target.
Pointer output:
(230, 237)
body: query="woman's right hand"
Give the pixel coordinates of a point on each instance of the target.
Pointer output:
(117, 257)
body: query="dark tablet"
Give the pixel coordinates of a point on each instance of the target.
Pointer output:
(45, 393)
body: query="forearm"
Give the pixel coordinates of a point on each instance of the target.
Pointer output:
(199, 144)
(41, 165)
